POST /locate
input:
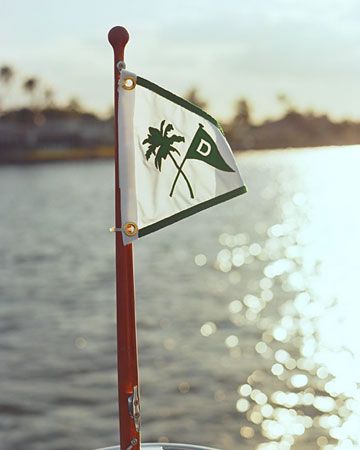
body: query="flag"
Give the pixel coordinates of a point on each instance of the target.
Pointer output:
(174, 160)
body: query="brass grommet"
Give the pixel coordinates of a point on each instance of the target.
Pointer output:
(130, 229)
(129, 83)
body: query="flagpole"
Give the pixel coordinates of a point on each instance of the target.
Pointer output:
(127, 360)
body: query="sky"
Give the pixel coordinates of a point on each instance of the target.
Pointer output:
(229, 49)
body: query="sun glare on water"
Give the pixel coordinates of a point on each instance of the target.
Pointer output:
(306, 308)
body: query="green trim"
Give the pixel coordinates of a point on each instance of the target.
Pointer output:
(176, 99)
(190, 211)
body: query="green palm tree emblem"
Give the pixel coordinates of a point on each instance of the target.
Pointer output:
(161, 145)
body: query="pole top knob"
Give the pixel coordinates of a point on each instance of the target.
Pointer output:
(118, 37)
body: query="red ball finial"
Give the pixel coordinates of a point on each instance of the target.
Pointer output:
(118, 38)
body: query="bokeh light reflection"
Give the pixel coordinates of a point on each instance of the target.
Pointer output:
(304, 311)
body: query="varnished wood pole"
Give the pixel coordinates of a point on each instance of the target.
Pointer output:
(127, 360)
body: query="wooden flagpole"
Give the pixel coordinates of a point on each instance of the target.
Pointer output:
(127, 361)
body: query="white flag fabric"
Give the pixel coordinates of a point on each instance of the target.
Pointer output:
(174, 160)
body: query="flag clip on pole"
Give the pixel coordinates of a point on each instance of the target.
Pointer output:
(128, 382)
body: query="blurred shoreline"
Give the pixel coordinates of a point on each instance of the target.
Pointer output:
(45, 133)
(54, 135)
(43, 155)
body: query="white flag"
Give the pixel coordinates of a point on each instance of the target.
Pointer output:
(174, 160)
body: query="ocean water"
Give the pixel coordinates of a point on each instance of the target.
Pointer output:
(248, 313)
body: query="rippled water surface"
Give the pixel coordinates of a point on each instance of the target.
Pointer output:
(248, 313)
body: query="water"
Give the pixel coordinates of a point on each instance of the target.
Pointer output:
(248, 312)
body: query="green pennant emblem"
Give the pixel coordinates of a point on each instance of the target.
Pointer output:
(202, 147)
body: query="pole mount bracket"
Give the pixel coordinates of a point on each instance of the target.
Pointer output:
(133, 442)
(134, 407)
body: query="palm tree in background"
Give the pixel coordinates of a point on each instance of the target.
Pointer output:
(6, 74)
(74, 105)
(6, 77)
(49, 95)
(285, 102)
(30, 87)
(161, 145)
(193, 97)
(243, 113)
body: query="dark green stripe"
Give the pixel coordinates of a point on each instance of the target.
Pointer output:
(175, 99)
(190, 211)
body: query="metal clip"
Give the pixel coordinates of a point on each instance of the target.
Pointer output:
(130, 229)
(133, 442)
(134, 407)
(114, 229)
(120, 65)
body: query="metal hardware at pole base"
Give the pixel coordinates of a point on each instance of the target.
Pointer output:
(132, 443)
(134, 407)
(165, 446)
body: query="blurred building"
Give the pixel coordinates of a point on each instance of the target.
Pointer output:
(24, 131)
